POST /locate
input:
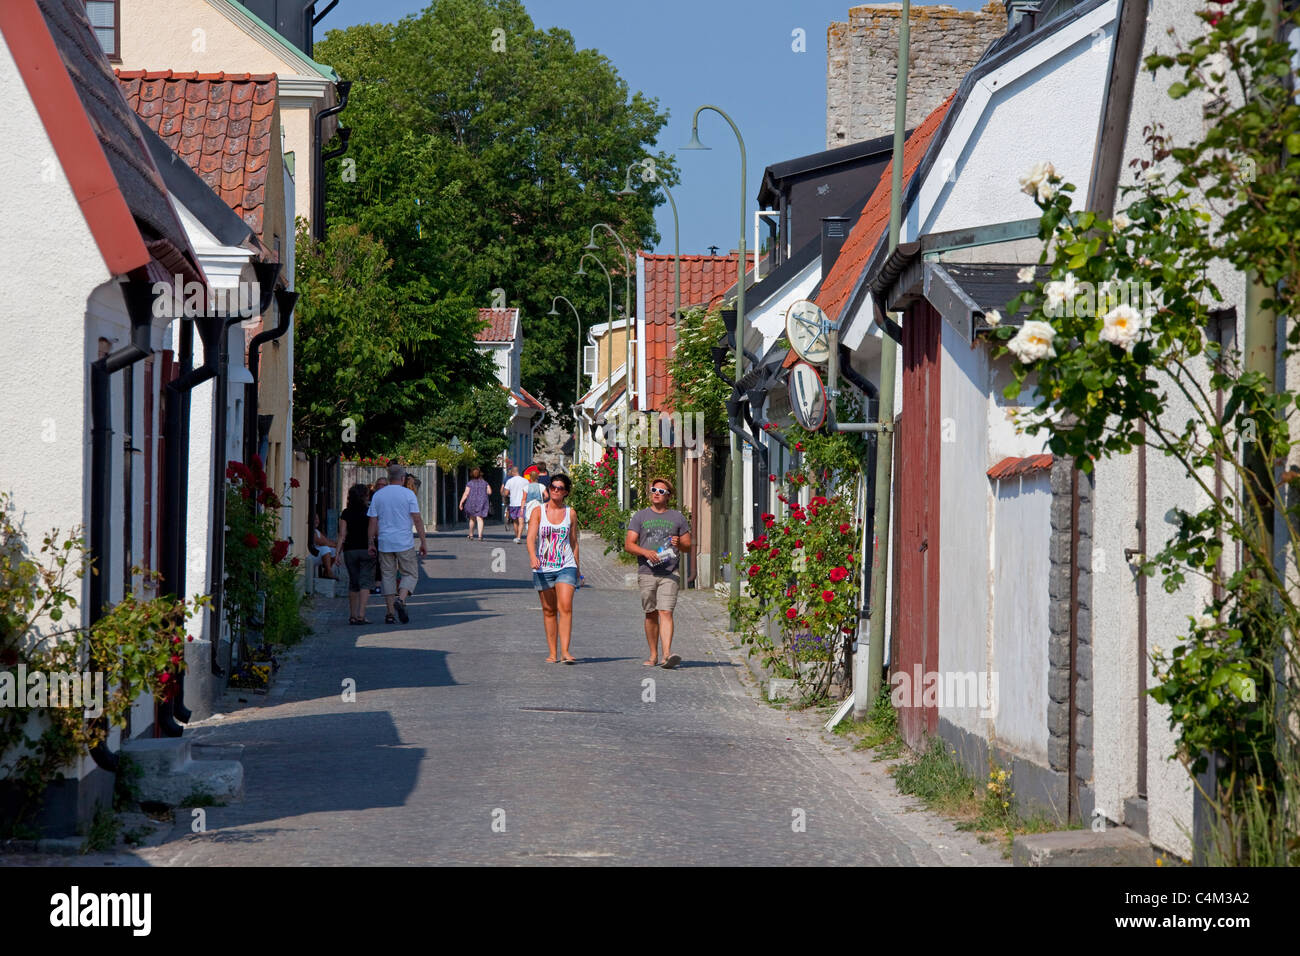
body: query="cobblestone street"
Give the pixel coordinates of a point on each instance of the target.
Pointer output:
(458, 724)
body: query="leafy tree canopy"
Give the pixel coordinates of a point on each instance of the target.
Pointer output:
(484, 151)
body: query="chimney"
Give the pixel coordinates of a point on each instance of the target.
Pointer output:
(835, 229)
(1018, 10)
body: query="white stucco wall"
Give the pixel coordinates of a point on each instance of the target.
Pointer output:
(1043, 105)
(964, 599)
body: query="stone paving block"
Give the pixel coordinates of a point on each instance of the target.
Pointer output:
(1114, 846)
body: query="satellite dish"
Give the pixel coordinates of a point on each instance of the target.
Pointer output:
(807, 396)
(808, 330)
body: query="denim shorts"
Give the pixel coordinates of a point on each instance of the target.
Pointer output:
(545, 580)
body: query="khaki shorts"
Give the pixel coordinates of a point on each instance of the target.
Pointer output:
(658, 591)
(393, 563)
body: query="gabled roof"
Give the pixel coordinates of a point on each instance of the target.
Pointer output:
(704, 278)
(502, 325)
(222, 124)
(274, 39)
(95, 137)
(818, 162)
(873, 223)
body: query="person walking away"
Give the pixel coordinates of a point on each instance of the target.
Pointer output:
(392, 510)
(513, 493)
(553, 551)
(536, 494)
(476, 501)
(655, 535)
(354, 542)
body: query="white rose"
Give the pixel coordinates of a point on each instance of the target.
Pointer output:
(1033, 183)
(1026, 274)
(993, 317)
(1121, 221)
(1206, 622)
(1121, 326)
(1157, 651)
(1059, 292)
(1045, 191)
(1033, 342)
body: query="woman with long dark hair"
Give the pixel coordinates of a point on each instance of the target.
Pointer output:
(553, 551)
(354, 529)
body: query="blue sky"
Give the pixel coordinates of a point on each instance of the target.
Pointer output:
(735, 54)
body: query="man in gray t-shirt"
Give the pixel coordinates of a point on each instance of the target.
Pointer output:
(655, 535)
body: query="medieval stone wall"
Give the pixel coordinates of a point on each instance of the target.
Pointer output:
(862, 64)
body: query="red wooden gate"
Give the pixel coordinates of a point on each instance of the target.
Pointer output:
(917, 473)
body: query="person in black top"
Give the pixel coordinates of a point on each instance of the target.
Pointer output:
(353, 531)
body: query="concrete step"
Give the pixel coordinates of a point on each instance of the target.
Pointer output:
(1114, 846)
(172, 776)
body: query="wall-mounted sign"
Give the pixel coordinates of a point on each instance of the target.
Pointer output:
(808, 330)
(807, 396)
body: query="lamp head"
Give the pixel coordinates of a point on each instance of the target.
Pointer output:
(581, 271)
(554, 310)
(626, 191)
(695, 140)
(591, 246)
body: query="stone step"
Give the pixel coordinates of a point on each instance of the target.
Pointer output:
(172, 776)
(1114, 846)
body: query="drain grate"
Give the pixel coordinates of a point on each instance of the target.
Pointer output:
(568, 710)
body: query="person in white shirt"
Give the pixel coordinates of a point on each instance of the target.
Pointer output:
(392, 510)
(513, 492)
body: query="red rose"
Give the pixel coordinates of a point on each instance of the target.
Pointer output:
(294, 483)
(844, 528)
(754, 569)
(839, 574)
(175, 659)
(774, 552)
(175, 639)
(293, 564)
(190, 638)
(250, 540)
(798, 446)
(765, 516)
(848, 559)
(789, 592)
(819, 555)
(769, 522)
(798, 543)
(828, 596)
(164, 677)
(791, 614)
(771, 478)
(785, 530)
(819, 500)
(278, 551)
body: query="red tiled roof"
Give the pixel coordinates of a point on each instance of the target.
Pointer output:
(500, 325)
(1017, 467)
(222, 124)
(613, 397)
(530, 401)
(93, 134)
(703, 279)
(872, 224)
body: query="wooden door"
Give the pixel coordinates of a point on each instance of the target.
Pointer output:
(917, 473)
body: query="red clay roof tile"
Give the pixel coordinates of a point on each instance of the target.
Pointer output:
(1017, 467)
(704, 278)
(500, 325)
(219, 123)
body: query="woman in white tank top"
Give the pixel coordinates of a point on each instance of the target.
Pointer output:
(553, 553)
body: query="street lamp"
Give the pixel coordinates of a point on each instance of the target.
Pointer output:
(577, 372)
(627, 190)
(609, 327)
(627, 319)
(737, 466)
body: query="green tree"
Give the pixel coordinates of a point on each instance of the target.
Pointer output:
(370, 356)
(479, 422)
(485, 149)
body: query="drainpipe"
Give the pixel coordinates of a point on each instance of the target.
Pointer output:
(866, 686)
(284, 302)
(267, 273)
(319, 156)
(139, 304)
(176, 440)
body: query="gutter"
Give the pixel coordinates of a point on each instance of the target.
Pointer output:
(318, 173)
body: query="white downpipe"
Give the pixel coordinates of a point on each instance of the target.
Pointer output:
(757, 214)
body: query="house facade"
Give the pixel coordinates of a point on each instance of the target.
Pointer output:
(502, 337)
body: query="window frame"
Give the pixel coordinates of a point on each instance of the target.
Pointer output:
(116, 55)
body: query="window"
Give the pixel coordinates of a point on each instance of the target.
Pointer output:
(106, 20)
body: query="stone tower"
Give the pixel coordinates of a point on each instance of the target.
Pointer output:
(862, 64)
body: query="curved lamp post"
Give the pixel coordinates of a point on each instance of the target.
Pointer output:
(577, 373)
(627, 190)
(627, 336)
(609, 328)
(737, 466)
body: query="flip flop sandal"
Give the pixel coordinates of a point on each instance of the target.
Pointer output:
(671, 661)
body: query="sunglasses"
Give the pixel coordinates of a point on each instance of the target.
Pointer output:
(558, 488)
(660, 491)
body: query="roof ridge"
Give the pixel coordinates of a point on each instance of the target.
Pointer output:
(221, 76)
